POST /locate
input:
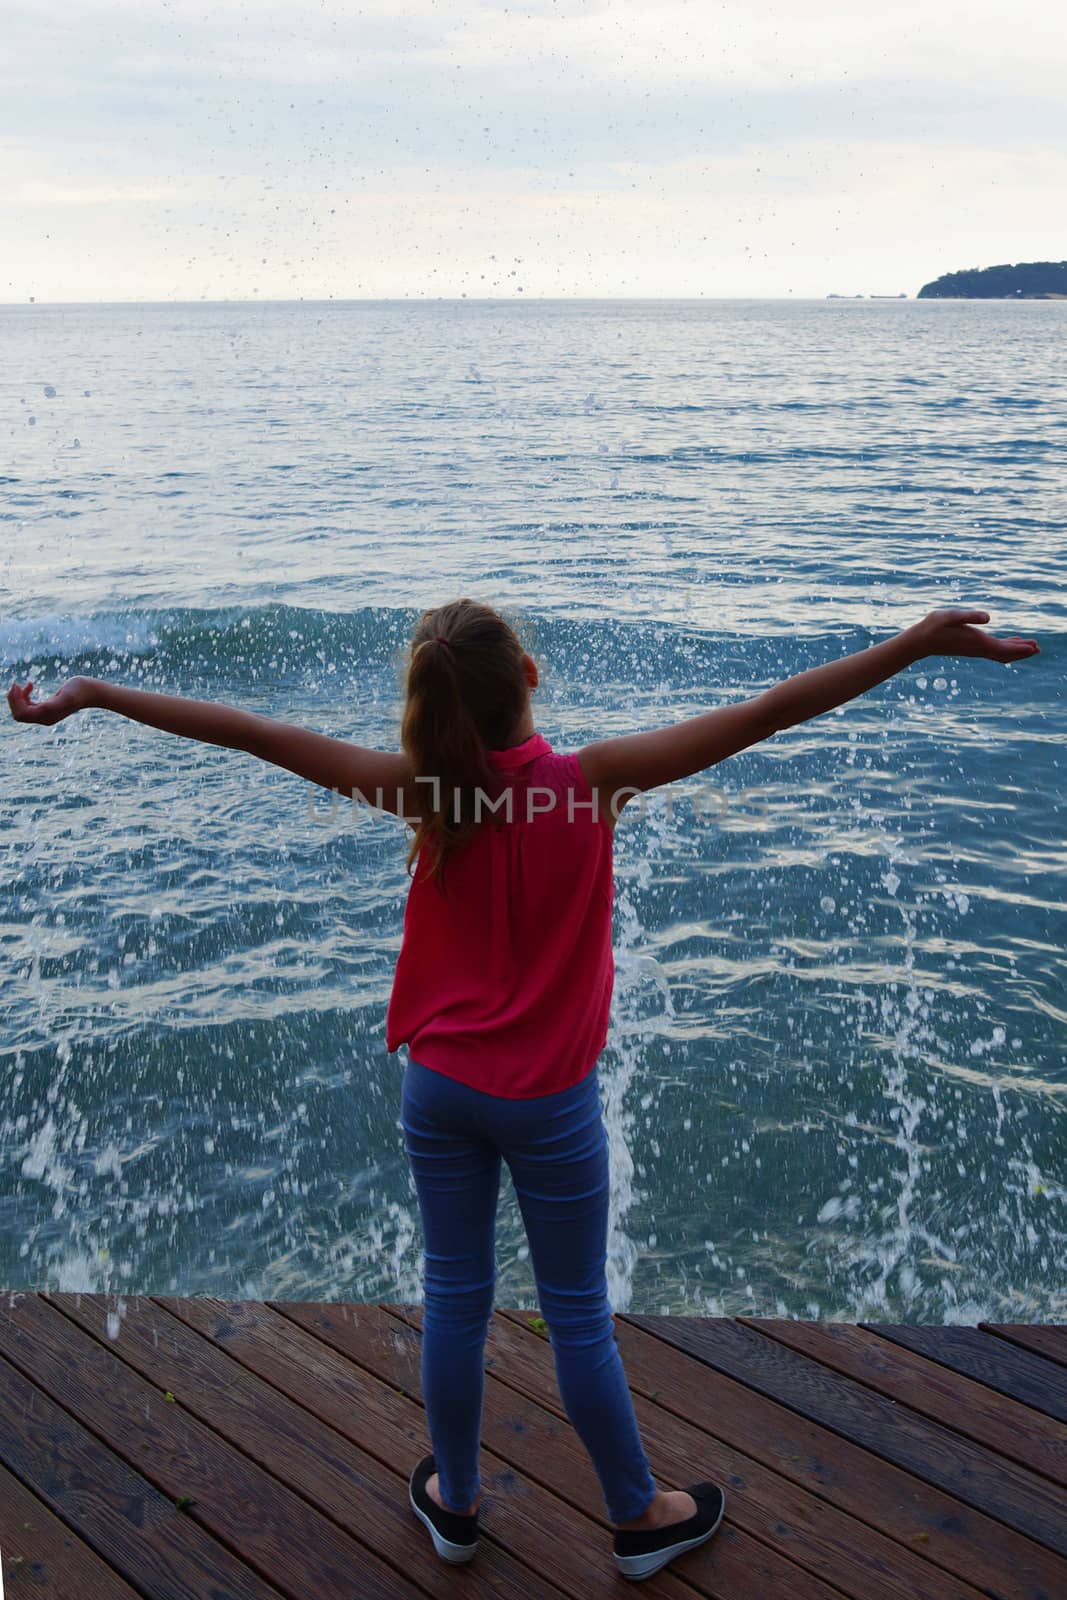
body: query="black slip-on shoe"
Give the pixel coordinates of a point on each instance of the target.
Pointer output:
(455, 1538)
(640, 1554)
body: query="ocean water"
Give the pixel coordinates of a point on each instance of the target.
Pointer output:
(835, 1082)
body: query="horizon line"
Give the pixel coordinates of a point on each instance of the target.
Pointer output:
(457, 299)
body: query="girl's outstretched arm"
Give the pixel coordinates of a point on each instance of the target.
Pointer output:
(640, 761)
(333, 763)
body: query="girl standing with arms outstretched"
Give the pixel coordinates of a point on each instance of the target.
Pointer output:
(502, 993)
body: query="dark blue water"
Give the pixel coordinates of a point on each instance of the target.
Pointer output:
(835, 1083)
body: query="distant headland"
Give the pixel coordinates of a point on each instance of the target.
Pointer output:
(1029, 280)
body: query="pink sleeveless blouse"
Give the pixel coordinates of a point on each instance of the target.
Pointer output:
(504, 980)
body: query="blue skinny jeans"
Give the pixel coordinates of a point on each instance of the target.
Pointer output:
(556, 1149)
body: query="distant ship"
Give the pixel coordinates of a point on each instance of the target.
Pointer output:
(866, 297)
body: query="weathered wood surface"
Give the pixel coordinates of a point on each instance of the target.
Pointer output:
(200, 1449)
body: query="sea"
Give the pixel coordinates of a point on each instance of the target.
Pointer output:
(835, 1082)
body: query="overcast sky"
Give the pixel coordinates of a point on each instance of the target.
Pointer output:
(283, 148)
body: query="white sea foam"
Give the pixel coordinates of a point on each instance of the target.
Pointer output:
(46, 637)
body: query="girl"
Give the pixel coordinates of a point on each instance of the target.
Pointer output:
(502, 991)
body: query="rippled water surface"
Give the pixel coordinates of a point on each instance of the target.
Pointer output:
(835, 1082)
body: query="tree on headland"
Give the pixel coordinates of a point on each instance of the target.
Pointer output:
(1029, 280)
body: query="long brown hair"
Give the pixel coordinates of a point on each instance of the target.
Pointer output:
(465, 692)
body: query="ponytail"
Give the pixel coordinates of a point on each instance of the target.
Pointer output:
(465, 693)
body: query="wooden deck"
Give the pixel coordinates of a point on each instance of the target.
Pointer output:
(232, 1450)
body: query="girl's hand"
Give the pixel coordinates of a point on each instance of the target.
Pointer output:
(950, 633)
(74, 695)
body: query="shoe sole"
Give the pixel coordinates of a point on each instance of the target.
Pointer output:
(456, 1554)
(645, 1566)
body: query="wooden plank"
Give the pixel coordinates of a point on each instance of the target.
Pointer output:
(336, 1474)
(43, 1558)
(964, 1542)
(1047, 1339)
(970, 1408)
(971, 1474)
(137, 1530)
(1013, 1371)
(837, 1547)
(267, 1526)
(555, 1474)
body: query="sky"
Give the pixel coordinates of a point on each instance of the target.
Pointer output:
(279, 149)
